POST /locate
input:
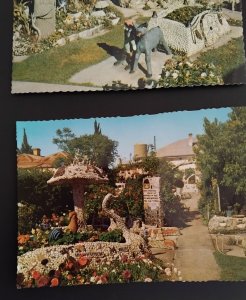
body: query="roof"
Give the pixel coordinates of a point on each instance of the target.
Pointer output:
(25, 161)
(179, 148)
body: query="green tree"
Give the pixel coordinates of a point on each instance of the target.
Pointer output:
(33, 191)
(63, 137)
(25, 147)
(97, 128)
(98, 148)
(221, 158)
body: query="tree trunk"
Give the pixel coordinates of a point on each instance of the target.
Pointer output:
(78, 198)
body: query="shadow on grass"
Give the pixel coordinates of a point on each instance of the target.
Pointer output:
(112, 50)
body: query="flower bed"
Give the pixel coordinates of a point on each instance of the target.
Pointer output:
(118, 268)
(182, 72)
(67, 25)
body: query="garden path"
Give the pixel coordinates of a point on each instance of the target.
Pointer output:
(194, 256)
(106, 72)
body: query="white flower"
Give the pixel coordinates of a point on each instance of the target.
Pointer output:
(93, 279)
(180, 64)
(203, 75)
(167, 74)
(175, 75)
(211, 74)
(113, 271)
(60, 30)
(175, 270)
(33, 231)
(99, 281)
(147, 279)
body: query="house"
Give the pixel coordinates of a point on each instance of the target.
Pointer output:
(181, 155)
(36, 160)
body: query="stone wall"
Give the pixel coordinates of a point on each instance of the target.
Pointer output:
(227, 225)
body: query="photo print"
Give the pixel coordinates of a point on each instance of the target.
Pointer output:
(148, 198)
(78, 45)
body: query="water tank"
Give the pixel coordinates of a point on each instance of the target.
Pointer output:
(140, 151)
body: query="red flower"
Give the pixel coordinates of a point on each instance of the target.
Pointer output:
(126, 274)
(124, 258)
(42, 281)
(54, 282)
(83, 260)
(36, 275)
(104, 278)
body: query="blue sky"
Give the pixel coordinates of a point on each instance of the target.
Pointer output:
(167, 127)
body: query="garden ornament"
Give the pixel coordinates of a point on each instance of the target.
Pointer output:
(73, 224)
(78, 174)
(149, 40)
(129, 44)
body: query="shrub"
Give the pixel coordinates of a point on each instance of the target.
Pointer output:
(112, 236)
(185, 14)
(27, 216)
(181, 72)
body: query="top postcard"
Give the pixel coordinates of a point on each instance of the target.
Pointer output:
(90, 45)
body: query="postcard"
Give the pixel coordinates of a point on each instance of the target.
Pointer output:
(76, 45)
(148, 198)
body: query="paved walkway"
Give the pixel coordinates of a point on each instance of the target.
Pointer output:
(105, 72)
(194, 256)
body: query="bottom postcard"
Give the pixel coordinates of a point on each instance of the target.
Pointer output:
(132, 199)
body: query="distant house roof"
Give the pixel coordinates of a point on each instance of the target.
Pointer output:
(25, 161)
(179, 148)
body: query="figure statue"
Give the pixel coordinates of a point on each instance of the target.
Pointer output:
(148, 41)
(129, 44)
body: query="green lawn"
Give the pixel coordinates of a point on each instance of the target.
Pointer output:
(229, 57)
(59, 64)
(232, 268)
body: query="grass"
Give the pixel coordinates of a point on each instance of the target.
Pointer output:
(232, 268)
(59, 64)
(228, 57)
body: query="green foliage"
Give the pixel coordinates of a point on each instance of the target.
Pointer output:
(112, 236)
(72, 238)
(98, 148)
(228, 57)
(221, 157)
(40, 197)
(130, 203)
(25, 147)
(185, 14)
(174, 214)
(27, 217)
(63, 62)
(181, 72)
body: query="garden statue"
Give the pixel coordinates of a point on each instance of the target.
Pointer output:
(136, 243)
(73, 224)
(79, 174)
(129, 44)
(148, 41)
(44, 17)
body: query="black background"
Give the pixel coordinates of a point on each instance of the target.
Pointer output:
(78, 105)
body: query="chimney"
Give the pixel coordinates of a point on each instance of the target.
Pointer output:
(190, 141)
(36, 151)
